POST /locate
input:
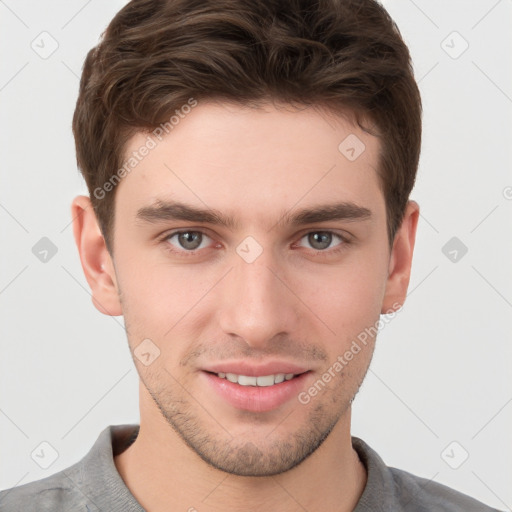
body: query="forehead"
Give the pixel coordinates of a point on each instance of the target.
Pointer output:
(251, 163)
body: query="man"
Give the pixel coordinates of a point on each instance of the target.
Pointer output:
(249, 167)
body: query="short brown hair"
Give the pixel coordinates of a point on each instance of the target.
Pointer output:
(155, 55)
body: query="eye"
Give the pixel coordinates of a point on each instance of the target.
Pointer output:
(187, 241)
(321, 240)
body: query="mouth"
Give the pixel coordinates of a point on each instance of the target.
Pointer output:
(256, 393)
(261, 380)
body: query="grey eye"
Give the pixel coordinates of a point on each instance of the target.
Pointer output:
(321, 240)
(189, 240)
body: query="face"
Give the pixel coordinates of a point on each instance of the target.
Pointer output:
(284, 268)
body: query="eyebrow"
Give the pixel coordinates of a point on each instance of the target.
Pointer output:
(164, 211)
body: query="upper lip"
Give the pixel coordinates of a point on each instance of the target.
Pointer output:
(255, 370)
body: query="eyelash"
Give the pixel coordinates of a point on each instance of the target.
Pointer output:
(345, 241)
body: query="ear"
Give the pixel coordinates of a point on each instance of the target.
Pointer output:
(96, 261)
(400, 261)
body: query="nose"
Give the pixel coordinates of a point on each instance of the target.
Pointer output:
(257, 304)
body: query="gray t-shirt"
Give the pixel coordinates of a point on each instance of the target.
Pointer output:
(93, 485)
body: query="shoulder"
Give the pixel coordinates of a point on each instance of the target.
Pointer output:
(56, 492)
(421, 495)
(90, 484)
(390, 489)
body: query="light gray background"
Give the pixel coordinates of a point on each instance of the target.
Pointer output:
(441, 371)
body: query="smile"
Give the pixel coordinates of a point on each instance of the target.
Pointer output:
(256, 393)
(263, 380)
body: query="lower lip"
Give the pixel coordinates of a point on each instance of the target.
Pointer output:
(257, 398)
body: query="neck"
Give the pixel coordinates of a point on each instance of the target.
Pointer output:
(159, 469)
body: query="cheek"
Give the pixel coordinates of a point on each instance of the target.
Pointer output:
(163, 302)
(347, 298)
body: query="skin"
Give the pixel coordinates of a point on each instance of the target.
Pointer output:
(299, 302)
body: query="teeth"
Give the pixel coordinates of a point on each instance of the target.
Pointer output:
(264, 380)
(243, 380)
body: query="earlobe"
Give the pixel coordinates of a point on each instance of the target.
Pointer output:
(400, 261)
(96, 261)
